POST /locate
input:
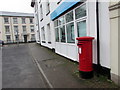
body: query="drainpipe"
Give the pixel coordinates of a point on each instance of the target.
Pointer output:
(98, 39)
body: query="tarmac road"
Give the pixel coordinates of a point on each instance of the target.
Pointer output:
(19, 69)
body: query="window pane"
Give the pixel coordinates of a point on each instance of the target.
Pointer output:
(24, 29)
(16, 30)
(57, 35)
(31, 20)
(81, 27)
(6, 20)
(62, 34)
(32, 28)
(55, 23)
(49, 32)
(80, 12)
(41, 12)
(8, 38)
(70, 33)
(23, 21)
(69, 17)
(16, 37)
(15, 20)
(61, 20)
(47, 6)
(7, 29)
(43, 33)
(32, 37)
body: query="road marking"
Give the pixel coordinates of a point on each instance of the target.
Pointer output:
(50, 85)
(40, 69)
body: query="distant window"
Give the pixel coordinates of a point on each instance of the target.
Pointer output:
(47, 7)
(43, 33)
(41, 12)
(7, 29)
(8, 38)
(23, 21)
(6, 20)
(36, 6)
(49, 32)
(15, 20)
(57, 35)
(31, 20)
(24, 29)
(16, 37)
(32, 28)
(32, 37)
(16, 30)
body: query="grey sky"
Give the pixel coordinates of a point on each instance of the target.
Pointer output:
(16, 6)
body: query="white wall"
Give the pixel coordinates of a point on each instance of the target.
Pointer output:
(104, 34)
(71, 51)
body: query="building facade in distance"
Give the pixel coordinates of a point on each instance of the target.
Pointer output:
(16, 27)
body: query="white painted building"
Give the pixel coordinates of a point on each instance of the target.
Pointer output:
(60, 22)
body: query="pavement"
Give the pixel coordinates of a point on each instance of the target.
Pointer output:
(62, 72)
(34, 66)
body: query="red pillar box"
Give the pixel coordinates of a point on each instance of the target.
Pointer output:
(85, 56)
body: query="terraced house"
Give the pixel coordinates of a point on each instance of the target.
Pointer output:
(59, 22)
(16, 27)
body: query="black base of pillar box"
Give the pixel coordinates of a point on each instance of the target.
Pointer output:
(86, 75)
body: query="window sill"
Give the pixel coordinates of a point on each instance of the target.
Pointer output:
(47, 13)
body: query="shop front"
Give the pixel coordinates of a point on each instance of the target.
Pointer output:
(70, 25)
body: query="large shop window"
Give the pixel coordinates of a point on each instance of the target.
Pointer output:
(62, 34)
(70, 33)
(80, 12)
(65, 25)
(57, 35)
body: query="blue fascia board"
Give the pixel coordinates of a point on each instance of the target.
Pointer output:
(67, 4)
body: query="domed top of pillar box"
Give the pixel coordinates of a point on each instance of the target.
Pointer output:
(86, 38)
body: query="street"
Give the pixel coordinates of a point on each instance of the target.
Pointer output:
(19, 70)
(33, 66)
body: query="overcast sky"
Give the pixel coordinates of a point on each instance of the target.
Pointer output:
(16, 6)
